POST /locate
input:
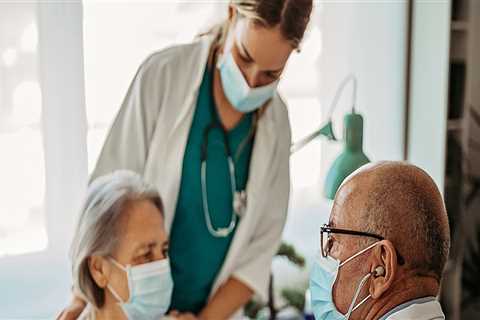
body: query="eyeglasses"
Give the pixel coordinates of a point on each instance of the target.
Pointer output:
(326, 241)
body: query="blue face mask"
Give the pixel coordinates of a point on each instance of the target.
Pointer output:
(236, 89)
(322, 279)
(150, 288)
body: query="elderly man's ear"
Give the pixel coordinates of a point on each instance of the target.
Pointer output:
(99, 269)
(383, 268)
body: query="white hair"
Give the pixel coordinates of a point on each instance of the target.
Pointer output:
(96, 231)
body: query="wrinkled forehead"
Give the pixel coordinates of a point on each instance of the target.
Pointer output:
(347, 209)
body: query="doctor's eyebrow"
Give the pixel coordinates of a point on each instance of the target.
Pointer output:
(245, 51)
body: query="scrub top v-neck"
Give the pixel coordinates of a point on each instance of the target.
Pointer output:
(196, 255)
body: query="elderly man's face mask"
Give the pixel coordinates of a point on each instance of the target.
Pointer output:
(325, 271)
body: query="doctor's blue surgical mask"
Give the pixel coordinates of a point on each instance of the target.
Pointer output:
(236, 88)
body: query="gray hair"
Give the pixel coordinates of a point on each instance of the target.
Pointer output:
(96, 231)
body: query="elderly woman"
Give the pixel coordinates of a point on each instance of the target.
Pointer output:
(119, 251)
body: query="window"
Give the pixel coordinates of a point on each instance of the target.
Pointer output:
(114, 50)
(22, 166)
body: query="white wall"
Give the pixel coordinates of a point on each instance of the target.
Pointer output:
(369, 40)
(429, 87)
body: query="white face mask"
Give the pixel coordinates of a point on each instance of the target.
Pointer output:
(322, 279)
(150, 287)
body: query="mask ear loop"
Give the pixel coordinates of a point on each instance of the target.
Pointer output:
(357, 293)
(359, 253)
(127, 271)
(115, 294)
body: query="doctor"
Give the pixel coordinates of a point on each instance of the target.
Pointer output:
(384, 251)
(204, 123)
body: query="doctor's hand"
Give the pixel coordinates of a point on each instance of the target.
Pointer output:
(73, 311)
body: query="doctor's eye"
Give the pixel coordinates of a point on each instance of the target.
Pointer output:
(272, 75)
(244, 60)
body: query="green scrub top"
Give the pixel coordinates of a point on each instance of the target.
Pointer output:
(196, 256)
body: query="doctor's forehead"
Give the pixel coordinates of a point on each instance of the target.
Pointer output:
(266, 46)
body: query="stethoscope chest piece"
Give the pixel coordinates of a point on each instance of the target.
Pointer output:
(240, 202)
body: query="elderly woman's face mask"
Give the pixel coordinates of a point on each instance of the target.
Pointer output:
(150, 289)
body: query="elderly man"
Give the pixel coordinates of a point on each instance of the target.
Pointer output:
(385, 248)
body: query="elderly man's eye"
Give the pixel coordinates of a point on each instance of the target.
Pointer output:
(331, 241)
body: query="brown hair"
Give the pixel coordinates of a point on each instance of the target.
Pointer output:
(291, 15)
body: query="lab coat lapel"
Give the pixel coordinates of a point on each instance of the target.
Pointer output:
(177, 137)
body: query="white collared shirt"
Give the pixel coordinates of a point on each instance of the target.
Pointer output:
(427, 308)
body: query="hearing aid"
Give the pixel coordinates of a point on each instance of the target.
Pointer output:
(379, 271)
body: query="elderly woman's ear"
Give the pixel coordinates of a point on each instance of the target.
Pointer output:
(100, 270)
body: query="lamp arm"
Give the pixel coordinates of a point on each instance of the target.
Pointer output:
(342, 86)
(302, 143)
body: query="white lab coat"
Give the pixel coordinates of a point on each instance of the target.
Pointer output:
(430, 310)
(149, 136)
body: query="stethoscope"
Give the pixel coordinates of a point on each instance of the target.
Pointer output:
(239, 197)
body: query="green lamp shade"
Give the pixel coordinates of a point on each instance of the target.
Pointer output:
(352, 156)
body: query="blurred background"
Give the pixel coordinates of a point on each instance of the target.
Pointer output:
(65, 67)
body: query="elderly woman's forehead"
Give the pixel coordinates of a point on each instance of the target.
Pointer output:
(139, 215)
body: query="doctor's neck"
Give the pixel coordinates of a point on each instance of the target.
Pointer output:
(403, 290)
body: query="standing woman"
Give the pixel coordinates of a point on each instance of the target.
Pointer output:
(204, 123)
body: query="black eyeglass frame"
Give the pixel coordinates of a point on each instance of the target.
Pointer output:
(329, 230)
